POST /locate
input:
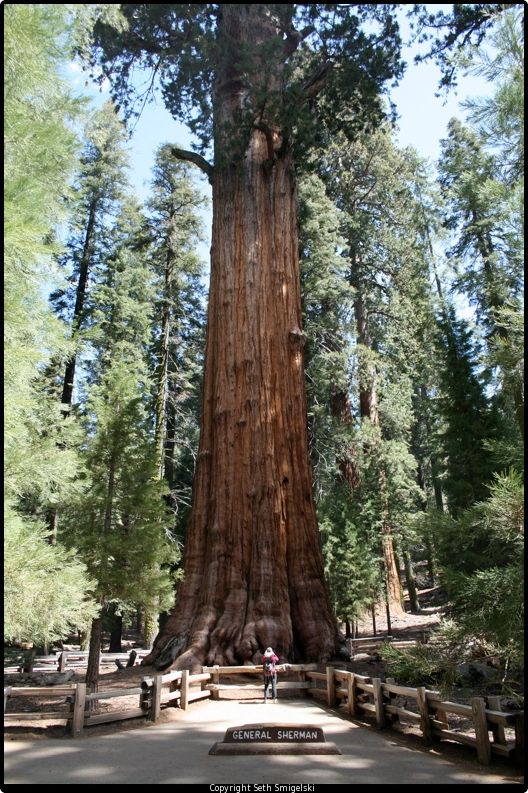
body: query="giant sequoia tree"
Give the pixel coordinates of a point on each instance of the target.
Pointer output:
(253, 80)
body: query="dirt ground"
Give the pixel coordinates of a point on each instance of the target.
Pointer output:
(462, 756)
(404, 626)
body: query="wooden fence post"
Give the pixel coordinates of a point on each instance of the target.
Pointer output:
(423, 707)
(519, 738)
(378, 703)
(7, 691)
(499, 736)
(62, 661)
(79, 703)
(155, 705)
(216, 681)
(184, 699)
(393, 717)
(351, 693)
(478, 706)
(330, 686)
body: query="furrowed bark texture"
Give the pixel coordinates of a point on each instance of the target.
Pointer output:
(253, 564)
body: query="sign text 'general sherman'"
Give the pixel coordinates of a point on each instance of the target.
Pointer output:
(274, 734)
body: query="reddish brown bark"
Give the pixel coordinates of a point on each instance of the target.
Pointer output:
(253, 565)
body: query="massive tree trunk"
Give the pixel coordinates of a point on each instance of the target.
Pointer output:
(253, 563)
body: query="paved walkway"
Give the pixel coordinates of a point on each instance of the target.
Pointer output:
(176, 753)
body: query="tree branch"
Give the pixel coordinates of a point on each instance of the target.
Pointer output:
(318, 80)
(196, 159)
(294, 37)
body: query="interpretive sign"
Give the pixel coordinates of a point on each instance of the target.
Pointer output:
(274, 739)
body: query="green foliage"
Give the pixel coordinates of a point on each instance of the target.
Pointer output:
(327, 306)
(489, 605)
(469, 422)
(119, 521)
(481, 553)
(449, 32)
(498, 617)
(45, 585)
(481, 211)
(445, 661)
(99, 190)
(188, 47)
(434, 664)
(351, 565)
(39, 143)
(174, 230)
(500, 116)
(39, 159)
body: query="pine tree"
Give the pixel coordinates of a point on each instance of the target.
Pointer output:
(327, 314)
(376, 187)
(119, 522)
(100, 185)
(40, 458)
(174, 229)
(499, 117)
(496, 200)
(468, 418)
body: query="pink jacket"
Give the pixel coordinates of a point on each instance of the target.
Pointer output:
(274, 659)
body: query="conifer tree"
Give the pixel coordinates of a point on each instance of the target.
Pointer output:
(119, 522)
(256, 81)
(327, 314)
(46, 589)
(173, 230)
(376, 187)
(469, 422)
(482, 176)
(252, 88)
(99, 188)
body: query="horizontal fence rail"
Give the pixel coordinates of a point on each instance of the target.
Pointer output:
(67, 659)
(218, 672)
(174, 688)
(358, 695)
(369, 644)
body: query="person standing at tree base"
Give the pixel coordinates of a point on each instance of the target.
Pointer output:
(269, 661)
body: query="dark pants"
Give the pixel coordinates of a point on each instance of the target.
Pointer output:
(270, 680)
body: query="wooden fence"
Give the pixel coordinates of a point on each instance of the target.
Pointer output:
(296, 670)
(67, 659)
(356, 694)
(173, 688)
(360, 695)
(369, 644)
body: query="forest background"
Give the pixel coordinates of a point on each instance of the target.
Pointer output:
(415, 402)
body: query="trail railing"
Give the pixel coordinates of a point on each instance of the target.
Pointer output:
(296, 670)
(174, 688)
(360, 695)
(66, 659)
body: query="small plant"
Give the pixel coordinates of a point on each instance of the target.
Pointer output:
(424, 664)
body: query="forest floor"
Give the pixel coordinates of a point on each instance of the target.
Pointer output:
(408, 625)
